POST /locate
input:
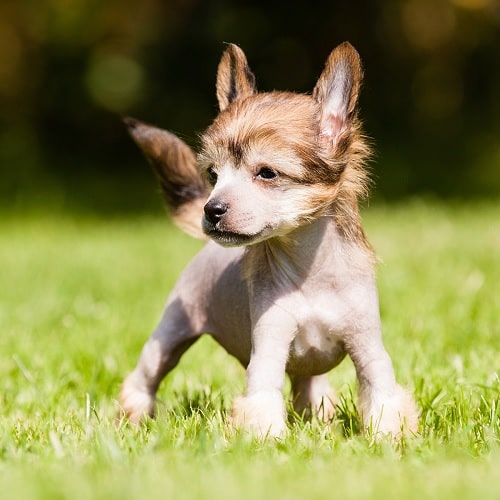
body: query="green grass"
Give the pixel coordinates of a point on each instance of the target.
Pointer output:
(79, 296)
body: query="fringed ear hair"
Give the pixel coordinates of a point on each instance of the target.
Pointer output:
(235, 80)
(337, 92)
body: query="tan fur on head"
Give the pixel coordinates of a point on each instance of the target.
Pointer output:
(313, 142)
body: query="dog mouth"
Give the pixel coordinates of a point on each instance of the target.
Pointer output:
(230, 238)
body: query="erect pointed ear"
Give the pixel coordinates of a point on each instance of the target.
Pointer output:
(337, 91)
(235, 80)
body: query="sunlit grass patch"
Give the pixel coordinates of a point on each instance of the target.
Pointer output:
(79, 296)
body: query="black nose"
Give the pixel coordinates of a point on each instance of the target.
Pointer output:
(215, 210)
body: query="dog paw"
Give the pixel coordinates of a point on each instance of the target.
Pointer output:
(394, 415)
(324, 408)
(135, 403)
(315, 397)
(262, 414)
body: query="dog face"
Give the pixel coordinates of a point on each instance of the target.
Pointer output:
(258, 155)
(276, 160)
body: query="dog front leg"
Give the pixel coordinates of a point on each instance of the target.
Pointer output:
(385, 407)
(161, 353)
(262, 410)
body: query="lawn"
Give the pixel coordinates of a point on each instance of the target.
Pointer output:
(79, 295)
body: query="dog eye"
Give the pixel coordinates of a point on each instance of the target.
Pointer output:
(212, 176)
(267, 173)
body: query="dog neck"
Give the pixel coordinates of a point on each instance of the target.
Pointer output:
(319, 252)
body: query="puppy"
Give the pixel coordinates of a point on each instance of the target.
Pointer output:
(286, 283)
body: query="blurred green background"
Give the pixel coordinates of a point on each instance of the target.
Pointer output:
(69, 69)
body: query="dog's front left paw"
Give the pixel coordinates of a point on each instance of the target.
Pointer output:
(135, 402)
(393, 416)
(262, 414)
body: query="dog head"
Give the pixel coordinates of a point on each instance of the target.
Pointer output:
(275, 160)
(278, 160)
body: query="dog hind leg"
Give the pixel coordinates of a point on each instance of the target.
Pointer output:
(314, 396)
(161, 353)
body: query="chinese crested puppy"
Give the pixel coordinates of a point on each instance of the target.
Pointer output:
(286, 281)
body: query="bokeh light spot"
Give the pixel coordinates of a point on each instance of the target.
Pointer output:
(114, 81)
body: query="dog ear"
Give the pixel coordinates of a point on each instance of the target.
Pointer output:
(337, 91)
(235, 80)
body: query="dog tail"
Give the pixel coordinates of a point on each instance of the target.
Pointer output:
(184, 189)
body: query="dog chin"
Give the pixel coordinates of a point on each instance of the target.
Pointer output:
(230, 239)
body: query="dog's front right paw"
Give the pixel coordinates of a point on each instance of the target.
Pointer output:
(262, 414)
(135, 402)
